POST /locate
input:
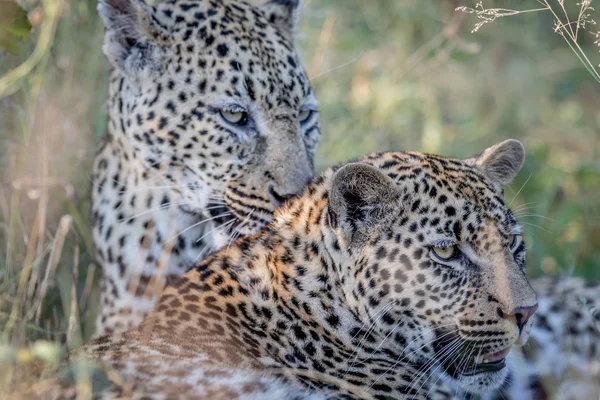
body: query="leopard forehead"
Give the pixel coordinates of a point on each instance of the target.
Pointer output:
(441, 202)
(234, 45)
(444, 197)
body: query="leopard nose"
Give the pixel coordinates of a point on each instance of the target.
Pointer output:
(278, 198)
(522, 315)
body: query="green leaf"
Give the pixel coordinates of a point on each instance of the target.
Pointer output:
(14, 26)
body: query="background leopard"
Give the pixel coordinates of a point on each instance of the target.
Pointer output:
(212, 124)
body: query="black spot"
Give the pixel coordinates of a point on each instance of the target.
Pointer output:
(381, 253)
(189, 6)
(250, 88)
(456, 228)
(235, 65)
(333, 320)
(162, 122)
(406, 262)
(202, 86)
(222, 50)
(299, 333)
(291, 61)
(415, 205)
(400, 276)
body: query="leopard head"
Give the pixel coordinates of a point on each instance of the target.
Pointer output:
(433, 259)
(210, 98)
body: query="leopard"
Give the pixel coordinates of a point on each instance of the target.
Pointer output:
(212, 124)
(397, 275)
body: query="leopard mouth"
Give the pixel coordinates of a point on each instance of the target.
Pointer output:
(221, 215)
(491, 362)
(229, 219)
(465, 364)
(468, 360)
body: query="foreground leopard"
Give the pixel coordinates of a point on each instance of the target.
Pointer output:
(212, 125)
(401, 275)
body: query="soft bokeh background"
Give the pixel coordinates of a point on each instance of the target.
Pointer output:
(390, 75)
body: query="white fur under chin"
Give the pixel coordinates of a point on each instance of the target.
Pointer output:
(481, 384)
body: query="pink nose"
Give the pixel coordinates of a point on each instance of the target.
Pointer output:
(523, 314)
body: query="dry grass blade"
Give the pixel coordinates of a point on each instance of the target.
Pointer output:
(487, 15)
(74, 312)
(64, 227)
(87, 288)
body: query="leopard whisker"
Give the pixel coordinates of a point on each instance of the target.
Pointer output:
(379, 315)
(441, 353)
(539, 227)
(431, 363)
(162, 207)
(195, 225)
(478, 354)
(525, 206)
(206, 248)
(435, 361)
(414, 351)
(426, 332)
(522, 187)
(535, 215)
(384, 339)
(236, 232)
(142, 188)
(463, 361)
(531, 204)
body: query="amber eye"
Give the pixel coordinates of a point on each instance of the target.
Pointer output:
(304, 115)
(444, 253)
(513, 241)
(235, 117)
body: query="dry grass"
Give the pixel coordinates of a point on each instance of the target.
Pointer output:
(568, 25)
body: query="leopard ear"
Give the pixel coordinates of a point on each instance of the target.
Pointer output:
(360, 198)
(283, 13)
(501, 162)
(134, 39)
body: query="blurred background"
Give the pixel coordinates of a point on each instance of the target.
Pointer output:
(389, 75)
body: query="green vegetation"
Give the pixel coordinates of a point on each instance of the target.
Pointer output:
(390, 75)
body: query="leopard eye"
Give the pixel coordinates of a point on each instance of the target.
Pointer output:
(305, 115)
(513, 241)
(444, 253)
(235, 117)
